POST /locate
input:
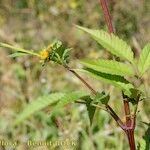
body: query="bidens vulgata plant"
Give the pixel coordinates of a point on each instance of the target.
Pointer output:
(117, 72)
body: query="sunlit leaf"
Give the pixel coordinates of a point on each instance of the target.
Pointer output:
(109, 66)
(111, 43)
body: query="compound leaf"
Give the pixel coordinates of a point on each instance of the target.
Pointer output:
(37, 105)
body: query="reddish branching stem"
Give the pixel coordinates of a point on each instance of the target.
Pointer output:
(83, 81)
(108, 108)
(129, 125)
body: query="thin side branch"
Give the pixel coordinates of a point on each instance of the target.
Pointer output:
(108, 108)
(81, 79)
(115, 116)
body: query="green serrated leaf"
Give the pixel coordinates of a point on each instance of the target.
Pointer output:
(117, 81)
(109, 66)
(111, 43)
(37, 105)
(91, 109)
(144, 61)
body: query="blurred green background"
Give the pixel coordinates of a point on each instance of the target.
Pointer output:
(33, 24)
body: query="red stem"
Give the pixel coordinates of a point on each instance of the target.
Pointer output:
(107, 16)
(131, 140)
(130, 123)
(127, 113)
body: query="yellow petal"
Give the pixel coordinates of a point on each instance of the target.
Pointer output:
(44, 54)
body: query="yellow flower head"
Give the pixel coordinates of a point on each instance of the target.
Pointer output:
(44, 54)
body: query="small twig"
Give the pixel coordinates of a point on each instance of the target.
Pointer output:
(115, 116)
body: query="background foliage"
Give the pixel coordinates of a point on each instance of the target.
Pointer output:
(33, 24)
